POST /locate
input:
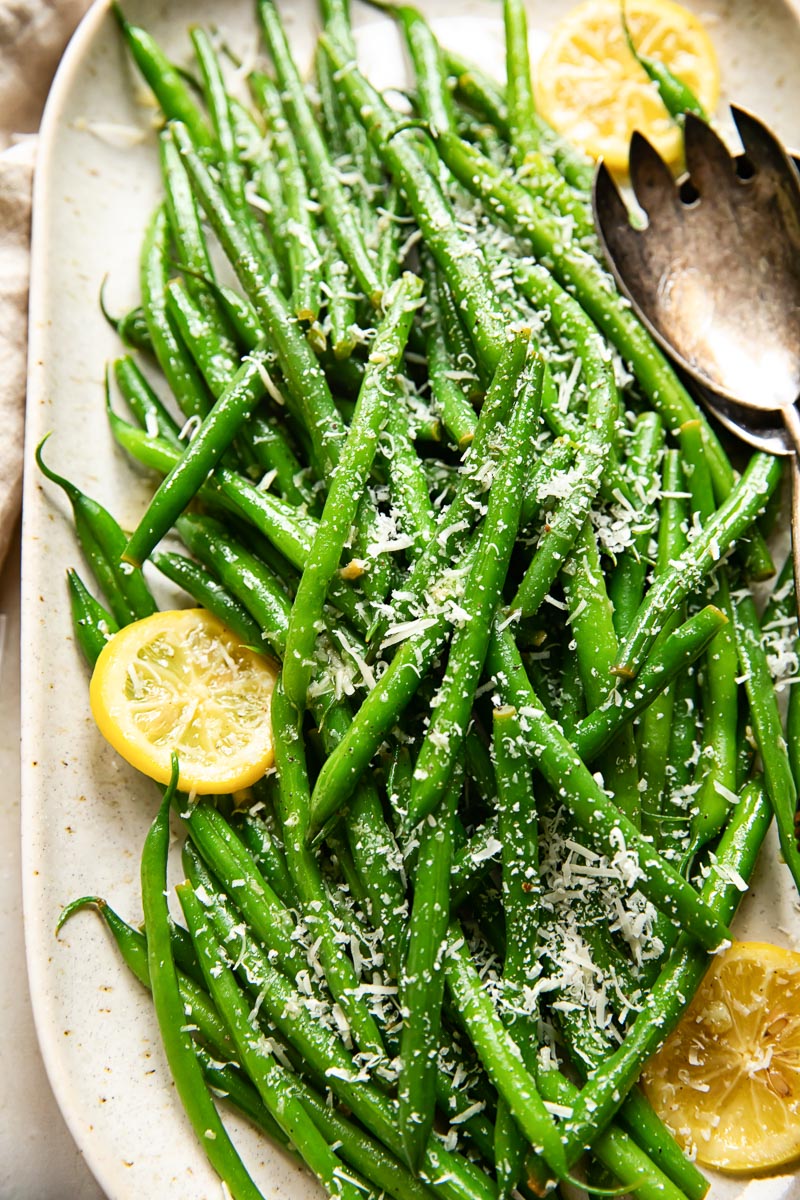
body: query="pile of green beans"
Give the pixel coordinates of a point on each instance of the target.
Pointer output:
(425, 456)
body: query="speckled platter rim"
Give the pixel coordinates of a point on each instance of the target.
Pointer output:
(84, 813)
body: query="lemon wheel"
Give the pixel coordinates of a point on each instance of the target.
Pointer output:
(181, 681)
(591, 88)
(727, 1080)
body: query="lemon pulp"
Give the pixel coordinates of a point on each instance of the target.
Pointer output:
(182, 682)
(590, 87)
(727, 1080)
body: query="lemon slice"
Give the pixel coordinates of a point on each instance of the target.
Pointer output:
(727, 1080)
(182, 682)
(592, 89)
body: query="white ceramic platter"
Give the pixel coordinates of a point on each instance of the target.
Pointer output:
(85, 813)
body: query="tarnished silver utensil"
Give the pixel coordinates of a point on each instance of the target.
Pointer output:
(715, 276)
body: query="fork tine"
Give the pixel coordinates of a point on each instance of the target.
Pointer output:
(760, 144)
(610, 210)
(651, 178)
(707, 159)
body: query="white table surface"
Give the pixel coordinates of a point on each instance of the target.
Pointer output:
(38, 1158)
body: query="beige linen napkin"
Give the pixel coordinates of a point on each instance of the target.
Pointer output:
(33, 34)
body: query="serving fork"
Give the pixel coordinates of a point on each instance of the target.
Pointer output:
(715, 276)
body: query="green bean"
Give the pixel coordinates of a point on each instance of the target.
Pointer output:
(231, 168)
(342, 502)
(518, 81)
(605, 826)
(174, 359)
(268, 442)
(237, 309)
(460, 261)
(290, 532)
(536, 170)
(201, 456)
(482, 594)
(337, 209)
(766, 724)
(103, 543)
(326, 1058)
(656, 728)
(473, 860)
(200, 338)
(596, 646)
(560, 535)
(362, 1151)
(459, 344)
(666, 1000)
(131, 327)
(293, 804)
(627, 580)
(685, 575)
(433, 95)
(376, 856)
(305, 258)
(649, 1132)
(619, 1153)
(187, 233)
(388, 229)
(721, 703)
(678, 97)
(143, 402)
(267, 196)
(228, 1082)
(472, 129)
(171, 1014)
(166, 81)
(500, 1055)
(265, 438)
(368, 561)
(473, 87)
(205, 590)
(408, 486)
(667, 662)
(93, 624)
(479, 767)
(484, 95)
(341, 304)
(518, 832)
(268, 855)
(243, 575)
(330, 108)
(353, 142)
(271, 1080)
(228, 858)
(303, 375)
(217, 360)
(456, 412)
(422, 978)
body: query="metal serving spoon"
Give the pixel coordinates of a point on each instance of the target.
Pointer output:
(715, 277)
